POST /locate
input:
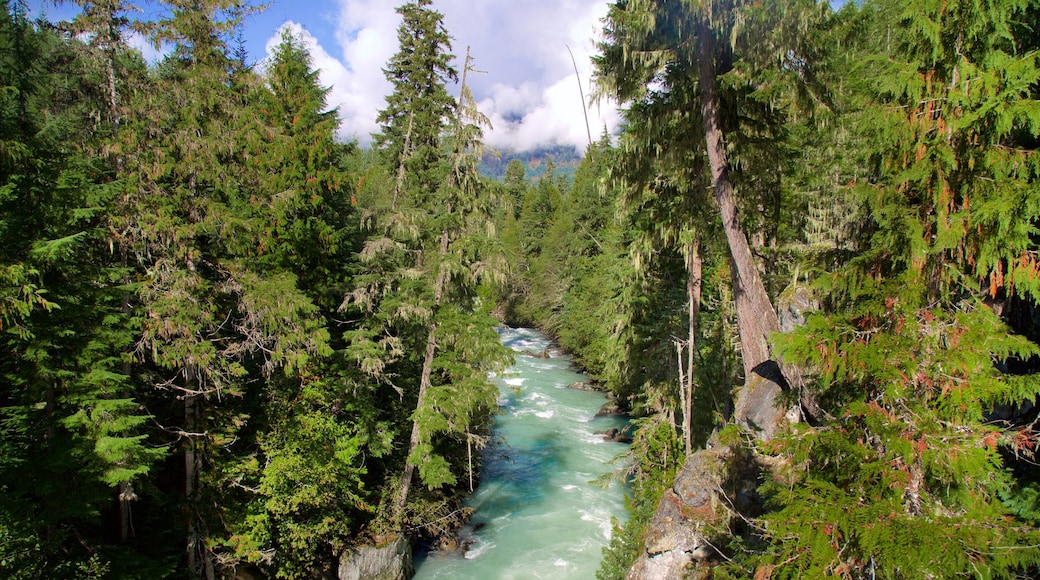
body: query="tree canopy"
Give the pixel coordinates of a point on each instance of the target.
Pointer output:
(231, 343)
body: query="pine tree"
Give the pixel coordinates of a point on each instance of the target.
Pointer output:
(427, 333)
(743, 67)
(464, 401)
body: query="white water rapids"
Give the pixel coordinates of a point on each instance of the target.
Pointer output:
(539, 511)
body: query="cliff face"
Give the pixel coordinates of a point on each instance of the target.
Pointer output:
(714, 485)
(392, 561)
(718, 484)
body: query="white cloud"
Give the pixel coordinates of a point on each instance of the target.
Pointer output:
(148, 50)
(554, 115)
(529, 90)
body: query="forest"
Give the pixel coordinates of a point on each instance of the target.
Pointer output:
(233, 346)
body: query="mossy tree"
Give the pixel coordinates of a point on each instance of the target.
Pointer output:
(910, 479)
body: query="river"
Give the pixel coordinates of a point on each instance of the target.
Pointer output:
(539, 512)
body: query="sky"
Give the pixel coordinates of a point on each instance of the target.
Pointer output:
(529, 89)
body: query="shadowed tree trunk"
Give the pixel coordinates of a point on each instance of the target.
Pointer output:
(694, 266)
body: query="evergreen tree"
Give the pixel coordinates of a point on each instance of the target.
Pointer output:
(419, 106)
(736, 65)
(304, 486)
(427, 334)
(73, 425)
(213, 315)
(710, 87)
(464, 400)
(909, 480)
(515, 183)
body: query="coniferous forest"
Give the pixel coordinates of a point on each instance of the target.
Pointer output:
(809, 267)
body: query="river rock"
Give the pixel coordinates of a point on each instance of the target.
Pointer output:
(611, 408)
(615, 435)
(391, 561)
(543, 354)
(793, 305)
(583, 386)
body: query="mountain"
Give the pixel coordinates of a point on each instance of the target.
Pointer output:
(566, 157)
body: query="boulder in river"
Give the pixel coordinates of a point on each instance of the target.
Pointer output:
(583, 386)
(616, 435)
(543, 354)
(611, 408)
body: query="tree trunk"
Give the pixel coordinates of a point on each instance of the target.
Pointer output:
(189, 480)
(400, 163)
(200, 562)
(425, 381)
(756, 317)
(693, 289)
(683, 397)
(126, 490)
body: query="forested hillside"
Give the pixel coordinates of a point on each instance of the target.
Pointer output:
(807, 266)
(564, 159)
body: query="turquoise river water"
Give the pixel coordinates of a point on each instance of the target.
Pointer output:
(539, 513)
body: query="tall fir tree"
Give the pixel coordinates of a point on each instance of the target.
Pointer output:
(419, 106)
(427, 333)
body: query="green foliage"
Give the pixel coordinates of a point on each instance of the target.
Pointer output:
(73, 425)
(656, 457)
(425, 331)
(311, 491)
(226, 340)
(914, 193)
(180, 256)
(911, 479)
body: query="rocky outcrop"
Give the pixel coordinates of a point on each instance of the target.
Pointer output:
(390, 561)
(756, 409)
(713, 485)
(718, 483)
(679, 532)
(794, 305)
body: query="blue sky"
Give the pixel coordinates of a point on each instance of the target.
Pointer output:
(529, 91)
